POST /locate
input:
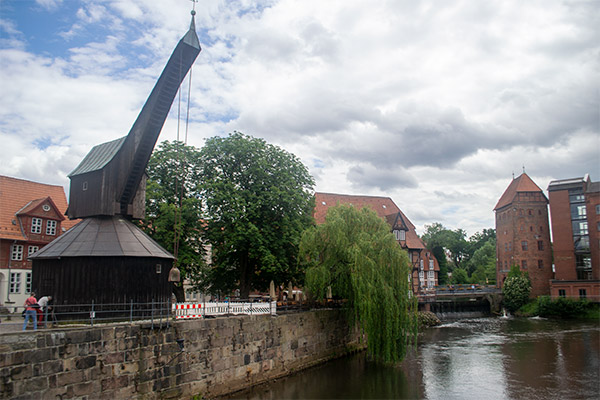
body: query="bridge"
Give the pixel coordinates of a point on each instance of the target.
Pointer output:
(461, 298)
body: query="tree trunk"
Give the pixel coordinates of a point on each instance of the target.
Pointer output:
(178, 292)
(246, 271)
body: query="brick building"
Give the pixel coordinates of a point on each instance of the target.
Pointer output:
(575, 214)
(425, 268)
(523, 234)
(31, 216)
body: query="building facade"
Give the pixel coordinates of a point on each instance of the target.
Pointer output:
(31, 216)
(523, 234)
(425, 268)
(575, 214)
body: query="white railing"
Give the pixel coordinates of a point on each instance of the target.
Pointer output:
(201, 310)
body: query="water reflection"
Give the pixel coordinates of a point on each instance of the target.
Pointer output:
(486, 358)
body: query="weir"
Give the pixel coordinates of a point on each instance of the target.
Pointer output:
(467, 303)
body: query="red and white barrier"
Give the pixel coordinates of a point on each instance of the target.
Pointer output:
(199, 310)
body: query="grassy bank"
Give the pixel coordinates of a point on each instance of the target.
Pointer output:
(563, 308)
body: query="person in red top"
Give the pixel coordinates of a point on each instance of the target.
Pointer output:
(31, 306)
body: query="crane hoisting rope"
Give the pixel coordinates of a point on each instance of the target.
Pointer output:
(179, 188)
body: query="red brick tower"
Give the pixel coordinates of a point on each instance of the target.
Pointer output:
(523, 234)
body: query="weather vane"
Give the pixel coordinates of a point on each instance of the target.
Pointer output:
(194, 6)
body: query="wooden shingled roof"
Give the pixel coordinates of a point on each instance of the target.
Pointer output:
(18, 195)
(103, 237)
(520, 184)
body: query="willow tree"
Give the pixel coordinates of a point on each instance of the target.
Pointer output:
(356, 255)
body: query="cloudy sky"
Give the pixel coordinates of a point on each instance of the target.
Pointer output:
(435, 104)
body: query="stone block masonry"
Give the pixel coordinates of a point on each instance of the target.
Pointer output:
(219, 356)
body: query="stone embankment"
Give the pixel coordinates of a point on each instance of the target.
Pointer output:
(204, 358)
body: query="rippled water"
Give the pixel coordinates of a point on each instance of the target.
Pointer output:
(483, 358)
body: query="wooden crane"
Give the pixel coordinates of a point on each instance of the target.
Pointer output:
(111, 178)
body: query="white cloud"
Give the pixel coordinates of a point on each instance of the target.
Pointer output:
(433, 104)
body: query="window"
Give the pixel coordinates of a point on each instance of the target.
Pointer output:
(562, 293)
(509, 246)
(421, 278)
(15, 282)
(431, 266)
(84, 187)
(505, 246)
(582, 293)
(36, 225)
(530, 212)
(597, 209)
(523, 264)
(580, 228)
(430, 279)
(31, 250)
(524, 245)
(421, 264)
(28, 282)
(531, 229)
(578, 211)
(400, 234)
(51, 227)
(16, 253)
(540, 264)
(540, 245)
(598, 227)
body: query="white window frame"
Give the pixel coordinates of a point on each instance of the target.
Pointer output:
(31, 250)
(51, 227)
(421, 265)
(431, 266)
(430, 278)
(36, 225)
(15, 282)
(16, 252)
(421, 278)
(28, 280)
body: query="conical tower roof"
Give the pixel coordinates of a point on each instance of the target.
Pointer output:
(103, 237)
(522, 183)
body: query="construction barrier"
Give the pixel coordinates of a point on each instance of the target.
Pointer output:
(200, 310)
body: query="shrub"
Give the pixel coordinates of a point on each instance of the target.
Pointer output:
(561, 307)
(516, 292)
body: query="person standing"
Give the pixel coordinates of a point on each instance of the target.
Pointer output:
(43, 303)
(31, 305)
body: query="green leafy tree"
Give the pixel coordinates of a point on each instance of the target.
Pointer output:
(355, 254)
(459, 276)
(516, 289)
(173, 210)
(482, 265)
(258, 201)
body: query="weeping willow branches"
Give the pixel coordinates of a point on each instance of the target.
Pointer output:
(355, 254)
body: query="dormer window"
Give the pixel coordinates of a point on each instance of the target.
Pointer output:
(36, 225)
(400, 234)
(51, 227)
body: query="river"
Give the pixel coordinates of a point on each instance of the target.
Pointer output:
(480, 358)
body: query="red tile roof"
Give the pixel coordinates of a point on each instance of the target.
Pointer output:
(383, 206)
(522, 183)
(18, 194)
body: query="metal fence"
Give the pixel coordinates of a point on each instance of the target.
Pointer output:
(155, 313)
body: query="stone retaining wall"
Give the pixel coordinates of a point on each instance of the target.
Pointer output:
(219, 356)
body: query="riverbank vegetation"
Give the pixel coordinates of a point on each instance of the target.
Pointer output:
(563, 308)
(516, 289)
(356, 257)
